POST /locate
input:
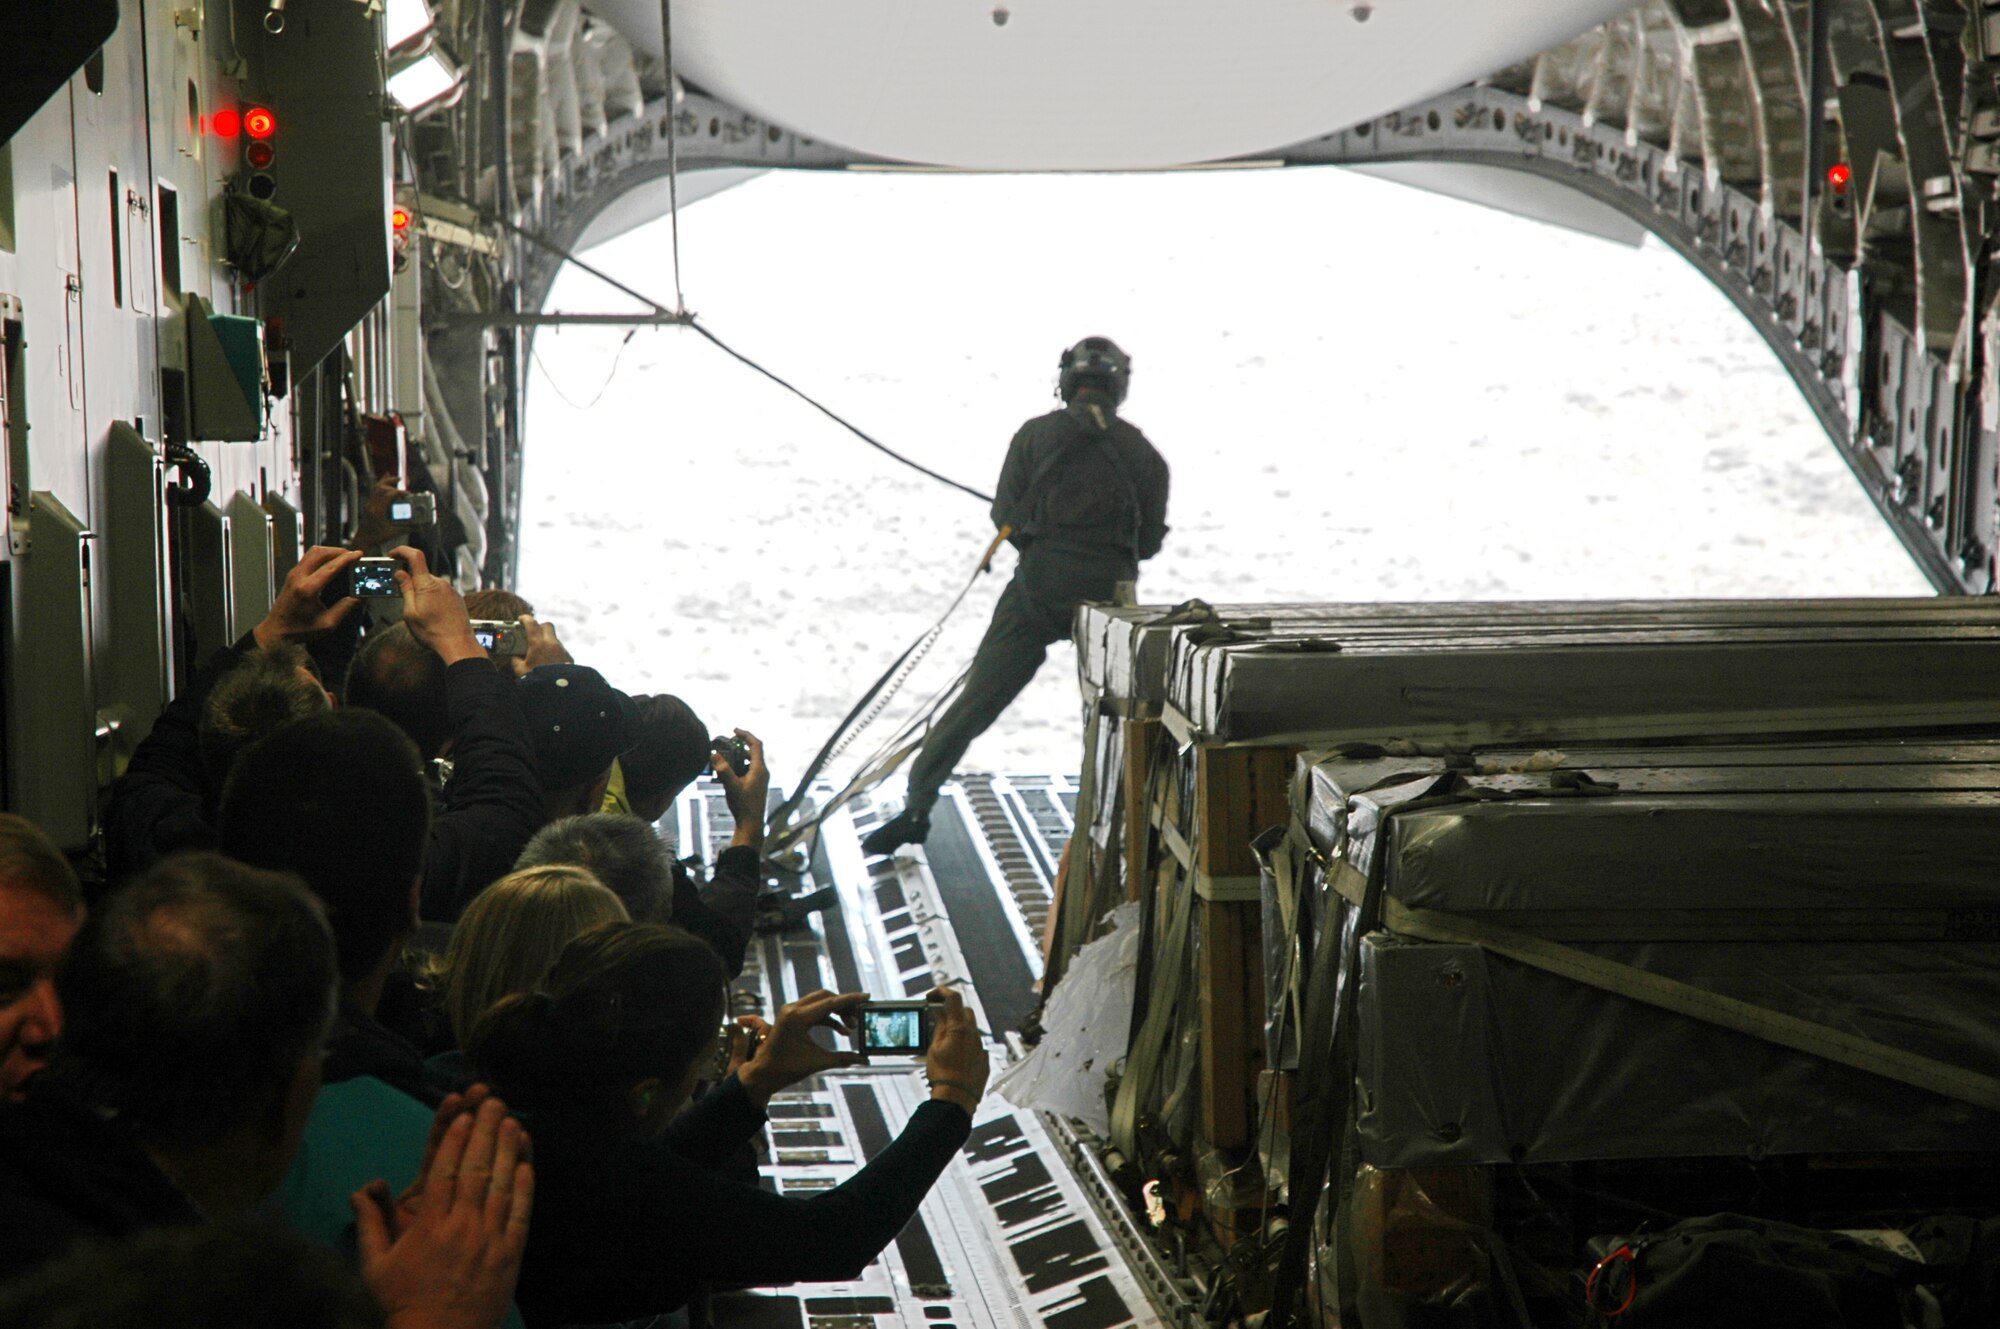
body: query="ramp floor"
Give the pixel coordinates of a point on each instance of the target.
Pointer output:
(1008, 1237)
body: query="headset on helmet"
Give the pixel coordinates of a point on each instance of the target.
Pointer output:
(1094, 362)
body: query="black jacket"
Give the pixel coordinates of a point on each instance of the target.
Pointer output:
(163, 802)
(494, 803)
(360, 1045)
(67, 1175)
(624, 1228)
(723, 913)
(1067, 482)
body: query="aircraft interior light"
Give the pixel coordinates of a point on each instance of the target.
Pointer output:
(404, 21)
(424, 80)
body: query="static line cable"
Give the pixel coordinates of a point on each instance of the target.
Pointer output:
(686, 319)
(673, 145)
(848, 425)
(566, 256)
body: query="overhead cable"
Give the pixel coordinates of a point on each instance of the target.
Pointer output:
(686, 319)
(848, 425)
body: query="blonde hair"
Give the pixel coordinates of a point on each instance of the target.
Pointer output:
(513, 931)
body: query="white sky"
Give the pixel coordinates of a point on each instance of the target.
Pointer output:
(1364, 392)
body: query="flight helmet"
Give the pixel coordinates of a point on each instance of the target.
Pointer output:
(1094, 362)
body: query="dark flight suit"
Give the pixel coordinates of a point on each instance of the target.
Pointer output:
(1087, 504)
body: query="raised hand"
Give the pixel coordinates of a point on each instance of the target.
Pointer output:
(957, 1065)
(298, 610)
(544, 647)
(375, 527)
(433, 610)
(748, 794)
(453, 1265)
(788, 1053)
(455, 1105)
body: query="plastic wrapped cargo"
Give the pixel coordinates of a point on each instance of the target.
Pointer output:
(1661, 967)
(1194, 719)
(1469, 674)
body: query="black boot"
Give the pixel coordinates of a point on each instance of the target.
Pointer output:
(777, 912)
(905, 827)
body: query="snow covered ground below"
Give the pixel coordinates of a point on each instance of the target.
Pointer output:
(1365, 393)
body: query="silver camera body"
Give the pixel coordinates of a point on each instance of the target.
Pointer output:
(500, 637)
(414, 510)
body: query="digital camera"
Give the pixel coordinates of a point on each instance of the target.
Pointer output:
(500, 637)
(734, 750)
(414, 510)
(902, 1027)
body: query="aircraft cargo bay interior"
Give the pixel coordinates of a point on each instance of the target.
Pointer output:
(1374, 624)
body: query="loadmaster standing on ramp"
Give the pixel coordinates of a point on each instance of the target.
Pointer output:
(1083, 496)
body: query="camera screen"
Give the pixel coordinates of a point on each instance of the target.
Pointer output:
(486, 637)
(375, 579)
(402, 510)
(892, 1030)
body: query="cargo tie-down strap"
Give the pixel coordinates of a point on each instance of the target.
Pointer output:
(1671, 994)
(1149, 1048)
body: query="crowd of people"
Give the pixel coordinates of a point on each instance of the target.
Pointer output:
(393, 1006)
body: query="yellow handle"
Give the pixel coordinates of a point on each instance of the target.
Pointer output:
(986, 563)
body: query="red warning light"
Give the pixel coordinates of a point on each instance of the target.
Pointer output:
(1839, 175)
(227, 122)
(399, 218)
(259, 155)
(259, 123)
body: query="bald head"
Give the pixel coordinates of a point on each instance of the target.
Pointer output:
(397, 676)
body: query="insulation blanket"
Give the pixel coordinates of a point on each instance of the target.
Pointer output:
(1849, 887)
(1469, 1057)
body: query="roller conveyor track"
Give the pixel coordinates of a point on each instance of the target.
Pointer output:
(1009, 1236)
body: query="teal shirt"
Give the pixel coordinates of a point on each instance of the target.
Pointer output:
(360, 1130)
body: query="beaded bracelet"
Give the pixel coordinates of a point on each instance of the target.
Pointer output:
(959, 1085)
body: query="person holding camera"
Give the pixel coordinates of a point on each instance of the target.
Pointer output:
(623, 846)
(1083, 496)
(165, 800)
(630, 1214)
(432, 678)
(530, 643)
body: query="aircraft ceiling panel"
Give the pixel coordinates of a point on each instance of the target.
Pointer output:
(1534, 197)
(1004, 85)
(651, 200)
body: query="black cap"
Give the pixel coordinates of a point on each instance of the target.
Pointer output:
(579, 721)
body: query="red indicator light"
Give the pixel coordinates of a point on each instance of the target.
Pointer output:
(227, 122)
(399, 218)
(259, 155)
(1839, 175)
(259, 123)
